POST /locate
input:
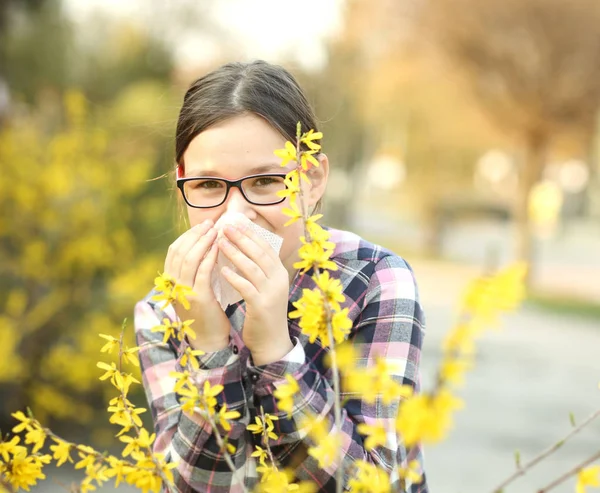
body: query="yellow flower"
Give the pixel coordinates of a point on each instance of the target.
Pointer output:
(412, 473)
(134, 444)
(275, 481)
(124, 414)
(190, 398)
(225, 416)
(191, 355)
(376, 435)
(294, 212)
(266, 427)
(37, 437)
(170, 292)
(590, 476)
(331, 288)
(87, 456)
(24, 470)
(377, 382)
(61, 451)
(168, 327)
(369, 479)
(9, 447)
(287, 154)
(309, 137)
(306, 158)
(487, 297)
(110, 345)
(26, 423)
(314, 255)
(346, 356)
(182, 380)
(130, 356)
(164, 284)
(292, 184)
(327, 442)
(340, 326)
(122, 381)
(285, 394)
(210, 393)
(426, 418)
(260, 453)
(460, 340)
(452, 370)
(310, 311)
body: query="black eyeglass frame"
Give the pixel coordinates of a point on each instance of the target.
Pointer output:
(230, 184)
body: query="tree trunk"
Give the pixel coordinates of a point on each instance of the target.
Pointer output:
(536, 143)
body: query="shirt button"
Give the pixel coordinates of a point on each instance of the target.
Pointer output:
(254, 377)
(235, 350)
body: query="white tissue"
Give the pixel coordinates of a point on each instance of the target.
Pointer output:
(225, 293)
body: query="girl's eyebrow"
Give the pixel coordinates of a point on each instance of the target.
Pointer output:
(252, 171)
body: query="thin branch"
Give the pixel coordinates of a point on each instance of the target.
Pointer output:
(265, 436)
(168, 485)
(226, 455)
(549, 451)
(219, 438)
(570, 473)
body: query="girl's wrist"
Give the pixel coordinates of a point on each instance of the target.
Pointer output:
(208, 346)
(275, 352)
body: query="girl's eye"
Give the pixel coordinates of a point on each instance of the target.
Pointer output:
(209, 184)
(267, 180)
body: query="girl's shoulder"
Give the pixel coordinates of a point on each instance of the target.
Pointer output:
(351, 247)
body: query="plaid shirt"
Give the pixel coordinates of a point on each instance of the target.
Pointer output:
(383, 303)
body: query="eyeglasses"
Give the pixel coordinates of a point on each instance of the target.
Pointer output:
(206, 191)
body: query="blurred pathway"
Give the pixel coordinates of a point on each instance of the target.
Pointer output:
(528, 377)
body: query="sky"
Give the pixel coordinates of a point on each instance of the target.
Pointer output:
(269, 29)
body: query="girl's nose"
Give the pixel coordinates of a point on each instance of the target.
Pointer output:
(237, 203)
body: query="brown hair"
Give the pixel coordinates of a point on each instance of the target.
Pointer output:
(267, 90)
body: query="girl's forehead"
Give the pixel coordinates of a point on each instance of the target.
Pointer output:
(239, 146)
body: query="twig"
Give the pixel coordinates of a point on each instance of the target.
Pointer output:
(219, 438)
(159, 470)
(265, 436)
(550, 450)
(570, 473)
(226, 455)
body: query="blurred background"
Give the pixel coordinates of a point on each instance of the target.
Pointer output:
(463, 134)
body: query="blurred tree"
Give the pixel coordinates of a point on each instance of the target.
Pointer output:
(382, 94)
(534, 66)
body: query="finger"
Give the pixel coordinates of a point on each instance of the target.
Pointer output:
(193, 258)
(261, 242)
(176, 245)
(259, 254)
(248, 268)
(244, 287)
(186, 245)
(203, 275)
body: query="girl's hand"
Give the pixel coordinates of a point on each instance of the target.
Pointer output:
(264, 284)
(190, 261)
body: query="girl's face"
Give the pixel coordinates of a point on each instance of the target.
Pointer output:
(243, 146)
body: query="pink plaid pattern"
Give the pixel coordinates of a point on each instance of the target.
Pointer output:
(388, 322)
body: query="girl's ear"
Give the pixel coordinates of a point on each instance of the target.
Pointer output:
(180, 172)
(318, 179)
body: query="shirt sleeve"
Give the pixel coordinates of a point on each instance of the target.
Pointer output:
(188, 439)
(390, 325)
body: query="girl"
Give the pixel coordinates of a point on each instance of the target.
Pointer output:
(230, 123)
